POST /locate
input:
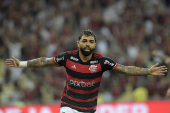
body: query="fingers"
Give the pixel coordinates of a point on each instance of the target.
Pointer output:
(163, 69)
(13, 57)
(9, 59)
(10, 62)
(156, 65)
(162, 66)
(161, 74)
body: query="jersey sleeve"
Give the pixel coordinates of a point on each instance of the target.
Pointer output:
(108, 64)
(60, 60)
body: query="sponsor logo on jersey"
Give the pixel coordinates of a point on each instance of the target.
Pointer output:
(93, 62)
(107, 62)
(74, 66)
(58, 59)
(76, 59)
(93, 68)
(81, 83)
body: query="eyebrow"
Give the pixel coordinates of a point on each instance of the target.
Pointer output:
(86, 39)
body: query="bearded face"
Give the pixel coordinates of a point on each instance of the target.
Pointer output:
(86, 51)
(86, 45)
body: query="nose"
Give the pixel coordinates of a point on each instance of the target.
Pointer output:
(87, 43)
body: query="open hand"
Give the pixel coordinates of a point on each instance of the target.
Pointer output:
(155, 70)
(14, 62)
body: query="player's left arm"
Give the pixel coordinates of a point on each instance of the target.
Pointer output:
(137, 71)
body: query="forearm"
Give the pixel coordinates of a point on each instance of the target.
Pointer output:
(132, 70)
(136, 71)
(40, 62)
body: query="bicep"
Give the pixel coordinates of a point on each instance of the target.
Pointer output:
(121, 69)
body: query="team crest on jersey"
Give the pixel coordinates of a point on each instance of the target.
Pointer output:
(93, 68)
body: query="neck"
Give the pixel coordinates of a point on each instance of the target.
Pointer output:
(85, 58)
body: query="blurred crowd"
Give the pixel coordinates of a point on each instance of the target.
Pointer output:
(127, 31)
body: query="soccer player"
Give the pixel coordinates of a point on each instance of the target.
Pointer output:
(84, 70)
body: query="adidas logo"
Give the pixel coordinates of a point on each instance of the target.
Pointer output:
(73, 66)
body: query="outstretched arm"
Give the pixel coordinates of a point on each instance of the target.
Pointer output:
(36, 63)
(137, 71)
(41, 62)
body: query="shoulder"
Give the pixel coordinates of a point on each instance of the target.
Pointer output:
(74, 52)
(108, 63)
(73, 55)
(97, 55)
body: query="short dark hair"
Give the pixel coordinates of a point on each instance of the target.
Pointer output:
(87, 32)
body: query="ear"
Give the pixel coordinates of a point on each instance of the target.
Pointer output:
(78, 44)
(95, 46)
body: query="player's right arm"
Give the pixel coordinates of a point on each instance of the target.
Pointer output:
(41, 62)
(35, 63)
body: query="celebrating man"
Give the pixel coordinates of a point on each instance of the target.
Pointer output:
(84, 69)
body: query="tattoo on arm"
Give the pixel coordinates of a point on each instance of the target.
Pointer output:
(132, 70)
(41, 62)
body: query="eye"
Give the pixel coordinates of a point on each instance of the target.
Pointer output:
(84, 41)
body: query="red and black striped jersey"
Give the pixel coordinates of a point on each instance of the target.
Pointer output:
(83, 79)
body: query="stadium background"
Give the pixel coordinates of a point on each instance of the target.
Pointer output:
(127, 31)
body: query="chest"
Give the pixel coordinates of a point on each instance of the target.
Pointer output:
(83, 68)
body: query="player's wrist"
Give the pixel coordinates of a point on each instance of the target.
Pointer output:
(21, 64)
(149, 71)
